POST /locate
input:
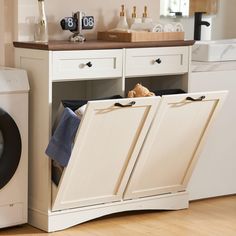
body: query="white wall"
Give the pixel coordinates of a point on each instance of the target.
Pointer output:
(224, 23)
(7, 31)
(106, 13)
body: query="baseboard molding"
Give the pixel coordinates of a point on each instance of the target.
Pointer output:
(60, 220)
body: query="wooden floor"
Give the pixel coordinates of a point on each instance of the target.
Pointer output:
(212, 217)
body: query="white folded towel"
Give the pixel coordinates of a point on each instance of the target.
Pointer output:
(173, 27)
(169, 27)
(178, 27)
(157, 28)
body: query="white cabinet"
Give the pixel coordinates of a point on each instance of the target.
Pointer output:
(128, 154)
(218, 155)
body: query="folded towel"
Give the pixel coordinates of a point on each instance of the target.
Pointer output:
(157, 28)
(178, 27)
(168, 27)
(60, 144)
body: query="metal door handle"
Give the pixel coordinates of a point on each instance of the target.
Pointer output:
(195, 99)
(117, 104)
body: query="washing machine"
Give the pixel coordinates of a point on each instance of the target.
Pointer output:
(14, 89)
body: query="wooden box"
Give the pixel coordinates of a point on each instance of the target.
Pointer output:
(139, 36)
(208, 6)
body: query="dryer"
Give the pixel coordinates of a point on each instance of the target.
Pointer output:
(14, 89)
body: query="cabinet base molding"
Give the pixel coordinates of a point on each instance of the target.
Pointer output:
(60, 220)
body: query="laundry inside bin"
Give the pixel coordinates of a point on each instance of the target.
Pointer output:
(161, 92)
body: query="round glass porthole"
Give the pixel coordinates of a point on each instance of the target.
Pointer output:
(10, 147)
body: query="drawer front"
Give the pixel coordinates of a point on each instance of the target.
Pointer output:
(88, 64)
(156, 61)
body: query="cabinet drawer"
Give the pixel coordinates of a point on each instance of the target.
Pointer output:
(88, 64)
(156, 61)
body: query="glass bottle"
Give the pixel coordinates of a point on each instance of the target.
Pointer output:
(122, 23)
(145, 18)
(134, 18)
(136, 22)
(41, 27)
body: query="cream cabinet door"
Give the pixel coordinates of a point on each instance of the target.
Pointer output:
(172, 146)
(107, 143)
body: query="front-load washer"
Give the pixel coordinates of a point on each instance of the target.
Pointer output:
(14, 89)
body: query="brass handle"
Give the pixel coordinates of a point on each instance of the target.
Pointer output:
(117, 104)
(195, 99)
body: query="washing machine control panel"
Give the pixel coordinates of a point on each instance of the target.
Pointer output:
(9, 83)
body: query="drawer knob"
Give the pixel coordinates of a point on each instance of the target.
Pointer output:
(158, 61)
(89, 64)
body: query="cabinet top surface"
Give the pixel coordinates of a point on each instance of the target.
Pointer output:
(92, 45)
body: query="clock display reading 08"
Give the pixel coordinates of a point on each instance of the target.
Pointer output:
(87, 22)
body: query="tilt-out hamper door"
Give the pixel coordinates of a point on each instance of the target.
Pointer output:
(173, 143)
(109, 138)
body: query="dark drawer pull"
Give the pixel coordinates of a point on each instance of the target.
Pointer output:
(158, 61)
(117, 104)
(195, 99)
(89, 64)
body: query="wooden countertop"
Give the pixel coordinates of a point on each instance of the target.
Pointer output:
(95, 45)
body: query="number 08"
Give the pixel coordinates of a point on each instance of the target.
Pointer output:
(88, 22)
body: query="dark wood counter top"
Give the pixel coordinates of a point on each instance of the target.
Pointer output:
(95, 45)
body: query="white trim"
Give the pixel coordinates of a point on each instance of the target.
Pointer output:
(60, 220)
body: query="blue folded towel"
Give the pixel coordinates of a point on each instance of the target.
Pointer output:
(60, 144)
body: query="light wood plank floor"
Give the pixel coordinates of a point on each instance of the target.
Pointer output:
(211, 217)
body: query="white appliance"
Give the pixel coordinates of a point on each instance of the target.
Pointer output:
(14, 90)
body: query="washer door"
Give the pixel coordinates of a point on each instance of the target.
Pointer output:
(10, 147)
